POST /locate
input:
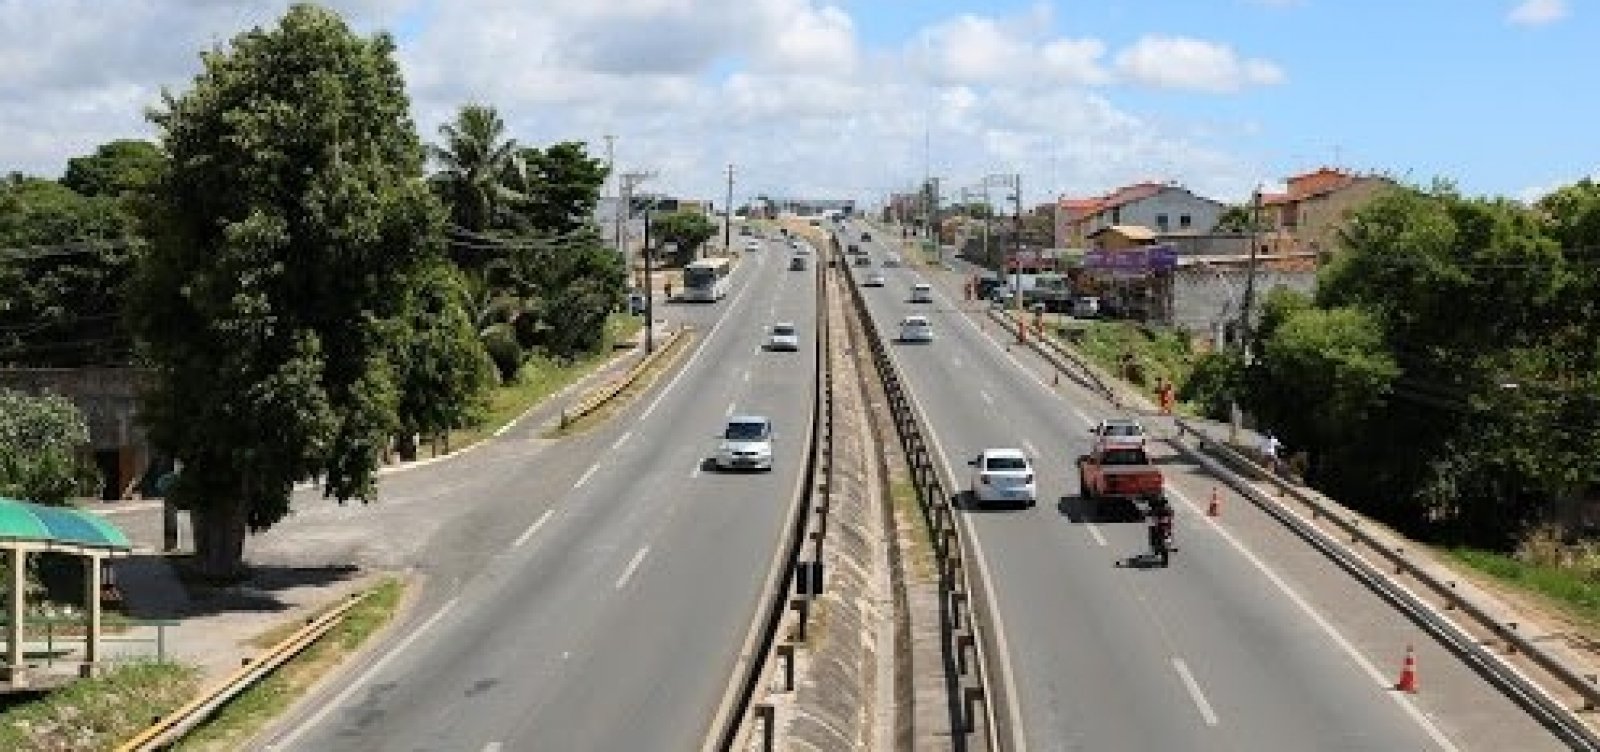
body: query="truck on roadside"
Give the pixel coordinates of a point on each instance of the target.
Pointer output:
(1118, 470)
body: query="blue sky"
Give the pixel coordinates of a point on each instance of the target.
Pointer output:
(833, 96)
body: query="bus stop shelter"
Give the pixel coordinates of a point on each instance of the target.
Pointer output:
(27, 528)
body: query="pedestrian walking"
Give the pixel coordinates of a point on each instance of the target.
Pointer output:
(1270, 447)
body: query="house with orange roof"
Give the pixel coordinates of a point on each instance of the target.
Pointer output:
(1317, 203)
(1165, 208)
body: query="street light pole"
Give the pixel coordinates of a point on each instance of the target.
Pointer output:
(727, 216)
(649, 292)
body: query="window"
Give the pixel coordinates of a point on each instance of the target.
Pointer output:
(1116, 215)
(1161, 222)
(1124, 457)
(1184, 221)
(1007, 463)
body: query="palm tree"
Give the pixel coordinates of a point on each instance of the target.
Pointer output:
(473, 163)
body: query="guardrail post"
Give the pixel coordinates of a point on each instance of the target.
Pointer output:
(786, 654)
(767, 717)
(958, 608)
(1511, 644)
(161, 641)
(1588, 697)
(972, 699)
(965, 646)
(802, 609)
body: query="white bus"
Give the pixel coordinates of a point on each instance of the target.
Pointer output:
(706, 280)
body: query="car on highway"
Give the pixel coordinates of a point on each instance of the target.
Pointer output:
(874, 279)
(802, 248)
(866, 237)
(892, 259)
(1118, 470)
(852, 248)
(1124, 430)
(783, 336)
(863, 260)
(1003, 475)
(746, 444)
(797, 263)
(752, 245)
(921, 292)
(916, 329)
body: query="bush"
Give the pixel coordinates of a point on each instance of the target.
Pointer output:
(501, 342)
(1216, 382)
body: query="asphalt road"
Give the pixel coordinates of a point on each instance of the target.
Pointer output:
(1249, 641)
(597, 599)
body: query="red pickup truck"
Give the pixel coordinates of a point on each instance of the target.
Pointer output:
(1118, 470)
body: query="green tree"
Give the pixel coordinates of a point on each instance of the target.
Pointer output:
(475, 161)
(559, 187)
(40, 441)
(64, 261)
(1239, 218)
(445, 372)
(688, 230)
(116, 168)
(285, 238)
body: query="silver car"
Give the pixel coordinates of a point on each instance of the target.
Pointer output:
(783, 336)
(746, 444)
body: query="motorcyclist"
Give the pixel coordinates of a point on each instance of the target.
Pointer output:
(1160, 527)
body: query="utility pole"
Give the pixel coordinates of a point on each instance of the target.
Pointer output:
(933, 219)
(616, 208)
(626, 183)
(727, 216)
(1250, 278)
(1016, 231)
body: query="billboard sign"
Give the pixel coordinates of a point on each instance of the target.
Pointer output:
(1131, 263)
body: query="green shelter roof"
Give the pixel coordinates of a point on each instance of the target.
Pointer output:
(24, 521)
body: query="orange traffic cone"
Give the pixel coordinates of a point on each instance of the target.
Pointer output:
(1214, 509)
(1408, 673)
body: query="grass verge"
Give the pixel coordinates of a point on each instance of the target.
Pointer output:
(919, 555)
(1572, 593)
(540, 378)
(98, 713)
(248, 713)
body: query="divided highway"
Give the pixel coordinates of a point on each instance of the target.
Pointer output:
(1249, 641)
(618, 577)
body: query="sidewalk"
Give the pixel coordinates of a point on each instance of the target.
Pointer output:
(215, 625)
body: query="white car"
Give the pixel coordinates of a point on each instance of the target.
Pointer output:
(746, 444)
(783, 336)
(891, 260)
(1120, 430)
(916, 329)
(922, 292)
(874, 279)
(1001, 476)
(752, 245)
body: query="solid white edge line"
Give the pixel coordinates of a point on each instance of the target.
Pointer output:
(587, 474)
(534, 528)
(1094, 532)
(632, 565)
(492, 747)
(1194, 691)
(623, 439)
(731, 408)
(1327, 627)
(1017, 730)
(695, 473)
(287, 741)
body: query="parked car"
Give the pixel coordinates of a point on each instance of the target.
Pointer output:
(916, 329)
(1086, 307)
(746, 444)
(783, 336)
(1003, 475)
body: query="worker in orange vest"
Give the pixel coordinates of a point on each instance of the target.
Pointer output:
(1165, 393)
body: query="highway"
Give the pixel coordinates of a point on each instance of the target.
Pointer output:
(1249, 641)
(596, 595)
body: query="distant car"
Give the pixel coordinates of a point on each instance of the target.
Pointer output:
(891, 260)
(803, 249)
(874, 279)
(863, 260)
(746, 444)
(1003, 475)
(852, 248)
(922, 292)
(752, 245)
(866, 237)
(1121, 430)
(797, 263)
(783, 336)
(916, 329)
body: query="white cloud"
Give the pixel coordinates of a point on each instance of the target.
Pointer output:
(783, 89)
(1187, 63)
(1537, 12)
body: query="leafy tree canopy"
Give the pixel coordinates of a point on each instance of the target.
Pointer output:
(116, 168)
(40, 437)
(688, 230)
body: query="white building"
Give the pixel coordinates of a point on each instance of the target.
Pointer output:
(1165, 208)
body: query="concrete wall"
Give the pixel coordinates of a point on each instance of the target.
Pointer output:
(108, 398)
(1202, 300)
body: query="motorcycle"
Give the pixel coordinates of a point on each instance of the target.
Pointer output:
(1160, 532)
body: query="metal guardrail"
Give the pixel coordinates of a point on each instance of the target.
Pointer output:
(165, 731)
(605, 394)
(740, 717)
(1522, 690)
(965, 631)
(1527, 693)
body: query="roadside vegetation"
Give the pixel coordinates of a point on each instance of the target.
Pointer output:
(100, 712)
(235, 723)
(1549, 571)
